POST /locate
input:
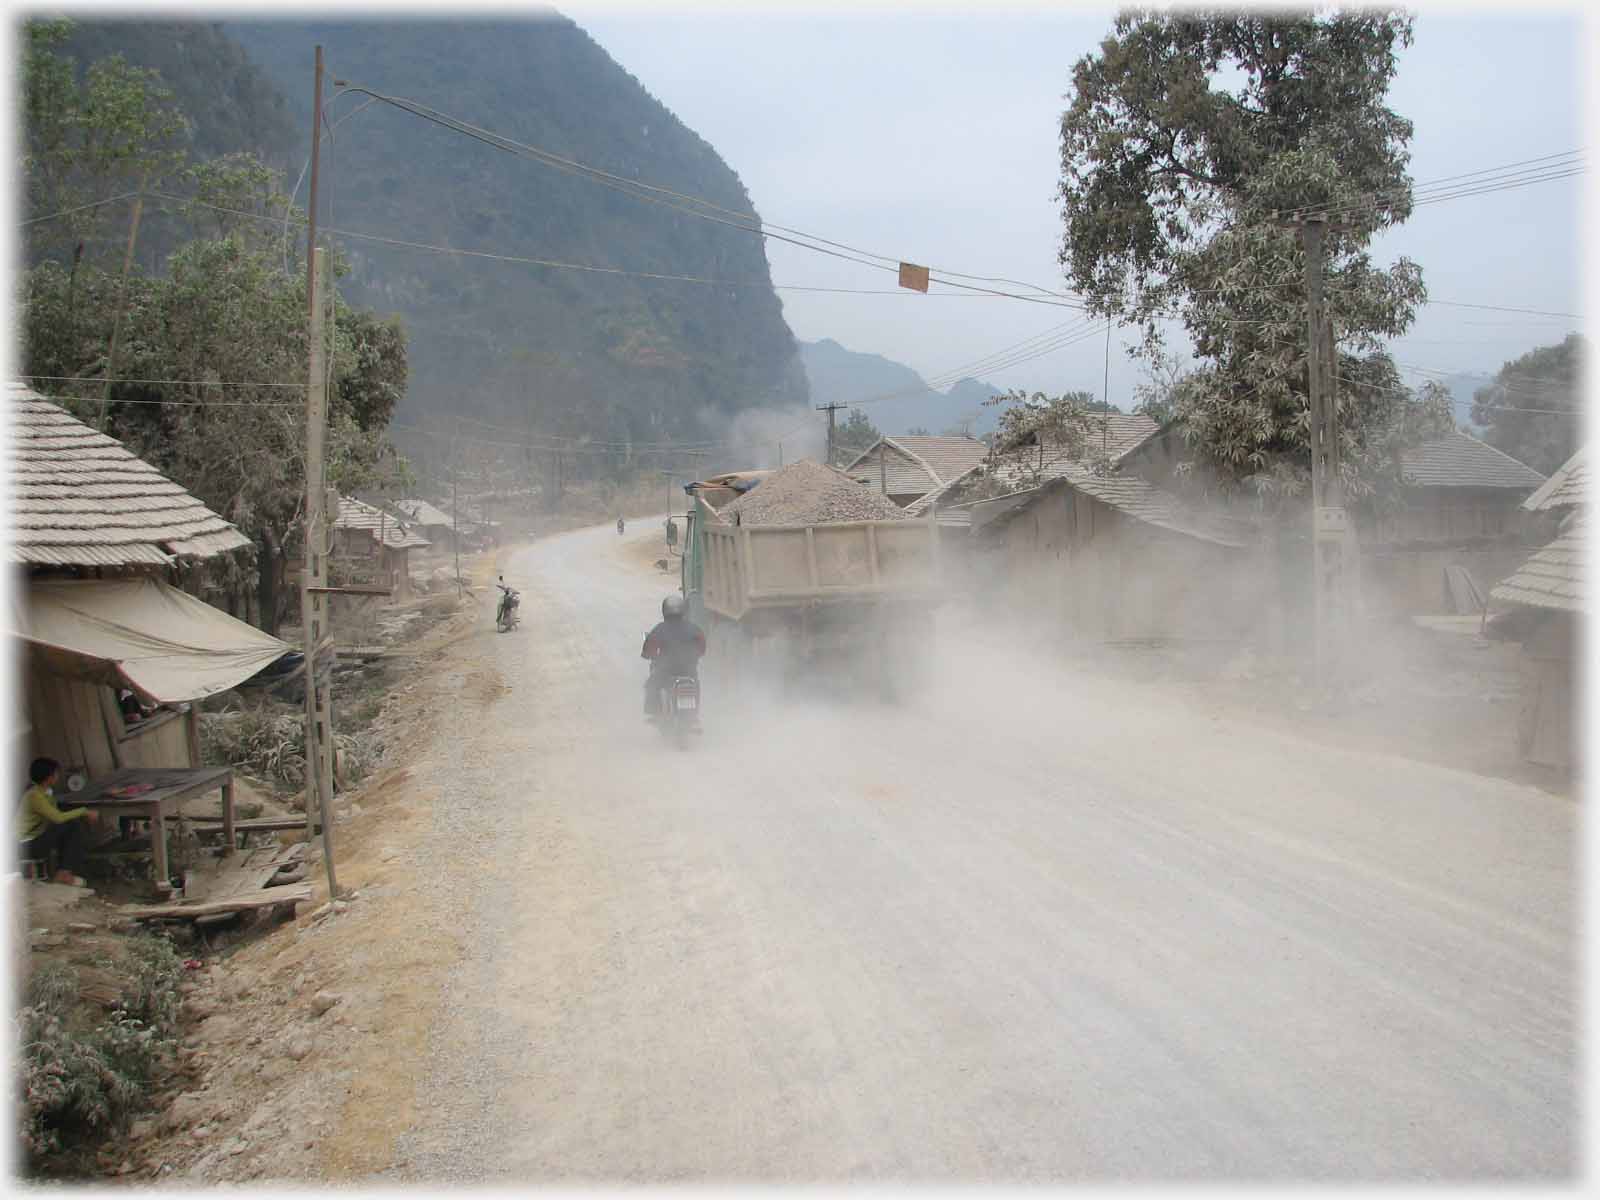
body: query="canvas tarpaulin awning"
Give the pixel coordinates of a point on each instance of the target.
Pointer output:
(142, 634)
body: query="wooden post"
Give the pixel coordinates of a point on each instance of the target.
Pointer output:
(192, 730)
(313, 604)
(455, 521)
(111, 717)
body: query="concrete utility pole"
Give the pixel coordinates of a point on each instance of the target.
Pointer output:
(1333, 535)
(313, 589)
(830, 409)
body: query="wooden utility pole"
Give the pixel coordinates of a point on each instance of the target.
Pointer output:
(455, 523)
(122, 301)
(830, 409)
(313, 596)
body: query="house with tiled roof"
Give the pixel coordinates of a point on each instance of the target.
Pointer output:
(1459, 509)
(375, 546)
(1547, 597)
(908, 467)
(116, 572)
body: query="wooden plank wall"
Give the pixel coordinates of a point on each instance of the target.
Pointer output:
(69, 725)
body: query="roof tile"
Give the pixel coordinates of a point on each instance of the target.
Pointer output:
(80, 498)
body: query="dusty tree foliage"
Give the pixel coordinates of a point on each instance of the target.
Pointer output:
(1187, 136)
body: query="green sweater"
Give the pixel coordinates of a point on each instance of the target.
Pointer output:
(39, 809)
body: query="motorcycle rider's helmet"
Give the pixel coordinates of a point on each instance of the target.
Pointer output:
(673, 608)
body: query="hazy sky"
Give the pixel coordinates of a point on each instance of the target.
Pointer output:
(933, 138)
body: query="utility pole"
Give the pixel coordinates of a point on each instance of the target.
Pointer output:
(455, 520)
(1332, 535)
(313, 594)
(830, 409)
(1105, 394)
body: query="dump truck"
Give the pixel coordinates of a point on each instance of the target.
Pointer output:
(839, 603)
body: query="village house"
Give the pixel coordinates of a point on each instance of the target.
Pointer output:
(1080, 545)
(1549, 604)
(1107, 556)
(907, 468)
(374, 547)
(113, 655)
(426, 520)
(1436, 544)
(1456, 526)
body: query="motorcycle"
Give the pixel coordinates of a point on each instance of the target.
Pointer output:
(619, 525)
(505, 616)
(678, 711)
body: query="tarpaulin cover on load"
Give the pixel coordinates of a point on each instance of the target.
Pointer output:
(142, 634)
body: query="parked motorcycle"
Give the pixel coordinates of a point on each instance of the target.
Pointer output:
(505, 616)
(678, 714)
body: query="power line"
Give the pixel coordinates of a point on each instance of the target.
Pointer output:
(1531, 170)
(183, 403)
(67, 212)
(748, 222)
(164, 382)
(590, 267)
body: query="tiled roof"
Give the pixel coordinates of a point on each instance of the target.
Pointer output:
(1554, 576)
(1461, 460)
(1115, 434)
(421, 512)
(1145, 502)
(917, 464)
(80, 498)
(1567, 488)
(353, 514)
(1109, 435)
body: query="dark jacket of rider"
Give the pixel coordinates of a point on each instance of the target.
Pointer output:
(674, 648)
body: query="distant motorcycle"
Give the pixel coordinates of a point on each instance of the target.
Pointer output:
(619, 525)
(678, 711)
(505, 616)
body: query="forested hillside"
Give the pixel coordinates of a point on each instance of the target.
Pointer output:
(559, 352)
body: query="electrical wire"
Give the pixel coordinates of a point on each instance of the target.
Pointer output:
(67, 212)
(705, 209)
(165, 382)
(182, 403)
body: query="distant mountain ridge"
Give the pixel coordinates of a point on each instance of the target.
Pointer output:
(848, 376)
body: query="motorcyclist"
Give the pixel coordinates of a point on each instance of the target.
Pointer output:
(508, 601)
(674, 648)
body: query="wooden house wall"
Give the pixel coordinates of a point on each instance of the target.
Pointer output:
(1405, 552)
(78, 723)
(1076, 562)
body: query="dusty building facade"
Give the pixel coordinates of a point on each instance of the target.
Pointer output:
(1461, 506)
(1113, 558)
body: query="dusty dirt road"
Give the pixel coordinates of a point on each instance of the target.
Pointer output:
(1017, 930)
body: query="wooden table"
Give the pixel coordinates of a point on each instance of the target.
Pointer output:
(169, 786)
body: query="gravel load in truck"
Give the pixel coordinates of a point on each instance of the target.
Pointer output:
(808, 493)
